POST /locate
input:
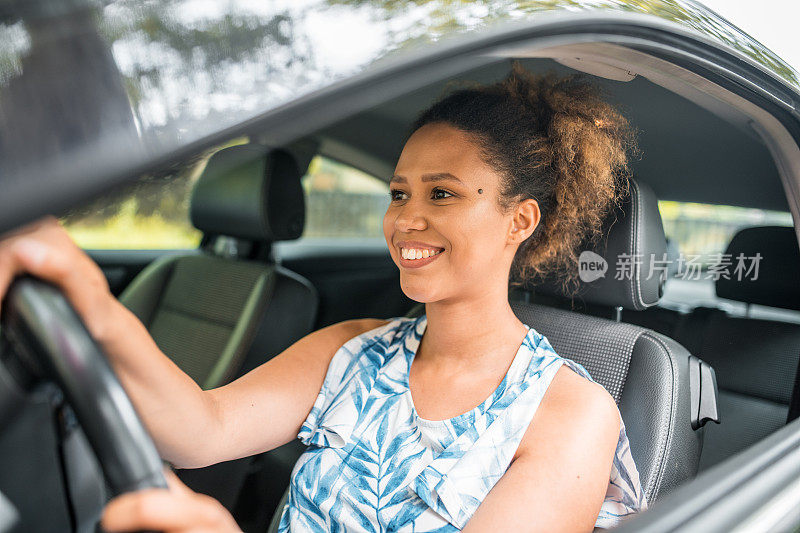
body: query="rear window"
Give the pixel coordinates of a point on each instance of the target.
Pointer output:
(151, 214)
(701, 232)
(698, 236)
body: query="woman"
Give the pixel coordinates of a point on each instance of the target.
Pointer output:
(463, 418)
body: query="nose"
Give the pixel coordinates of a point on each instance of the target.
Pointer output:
(410, 217)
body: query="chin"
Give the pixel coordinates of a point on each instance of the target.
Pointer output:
(421, 291)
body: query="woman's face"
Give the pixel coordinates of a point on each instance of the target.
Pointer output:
(444, 228)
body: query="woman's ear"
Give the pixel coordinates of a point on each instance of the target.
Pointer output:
(526, 218)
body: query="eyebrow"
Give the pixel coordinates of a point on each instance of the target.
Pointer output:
(438, 176)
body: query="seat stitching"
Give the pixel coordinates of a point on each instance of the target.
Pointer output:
(636, 286)
(632, 242)
(657, 480)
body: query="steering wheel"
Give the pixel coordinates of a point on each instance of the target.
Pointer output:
(50, 343)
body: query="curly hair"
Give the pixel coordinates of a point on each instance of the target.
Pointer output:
(554, 139)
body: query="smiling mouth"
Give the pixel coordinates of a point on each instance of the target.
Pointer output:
(414, 254)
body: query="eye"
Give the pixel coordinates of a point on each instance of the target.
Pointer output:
(440, 194)
(397, 195)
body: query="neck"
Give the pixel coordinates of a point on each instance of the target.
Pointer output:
(472, 327)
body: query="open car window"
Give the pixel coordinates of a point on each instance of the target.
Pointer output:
(153, 212)
(180, 103)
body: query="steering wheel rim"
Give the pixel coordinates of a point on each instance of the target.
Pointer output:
(54, 344)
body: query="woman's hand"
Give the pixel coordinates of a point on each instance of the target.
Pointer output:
(151, 380)
(45, 250)
(177, 510)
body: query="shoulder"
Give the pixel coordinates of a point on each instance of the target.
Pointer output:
(584, 399)
(564, 462)
(572, 409)
(352, 365)
(317, 349)
(344, 339)
(335, 335)
(348, 329)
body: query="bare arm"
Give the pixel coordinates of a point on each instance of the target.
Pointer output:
(559, 478)
(190, 427)
(258, 412)
(266, 407)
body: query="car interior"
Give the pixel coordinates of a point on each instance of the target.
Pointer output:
(700, 371)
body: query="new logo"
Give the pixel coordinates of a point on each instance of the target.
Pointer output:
(591, 266)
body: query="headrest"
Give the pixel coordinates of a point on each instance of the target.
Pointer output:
(250, 192)
(776, 282)
(616, 271)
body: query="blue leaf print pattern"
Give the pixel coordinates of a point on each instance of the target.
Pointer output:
(374, 465)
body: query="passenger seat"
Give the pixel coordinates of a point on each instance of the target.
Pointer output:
(227, 309)
(655, 381)
(755, 360)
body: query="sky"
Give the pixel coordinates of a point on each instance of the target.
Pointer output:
(774, 23)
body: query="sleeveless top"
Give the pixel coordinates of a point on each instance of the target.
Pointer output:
(373, 464)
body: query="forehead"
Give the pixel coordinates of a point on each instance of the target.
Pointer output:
(439, 148)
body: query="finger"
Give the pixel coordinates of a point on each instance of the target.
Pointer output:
(46, 251)
(30, 250)
(30, 227)
(7, 273)
(154, 509)
(17, 251)
(8, 267)
(175, 484)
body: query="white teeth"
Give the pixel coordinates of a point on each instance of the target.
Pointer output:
(416, 253)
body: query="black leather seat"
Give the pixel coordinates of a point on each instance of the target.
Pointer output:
(226, 310)
(756, 359)
(647, 373)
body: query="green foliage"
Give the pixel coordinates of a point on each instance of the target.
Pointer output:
(129, 231)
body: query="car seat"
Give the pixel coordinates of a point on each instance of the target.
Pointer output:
(225, 310)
